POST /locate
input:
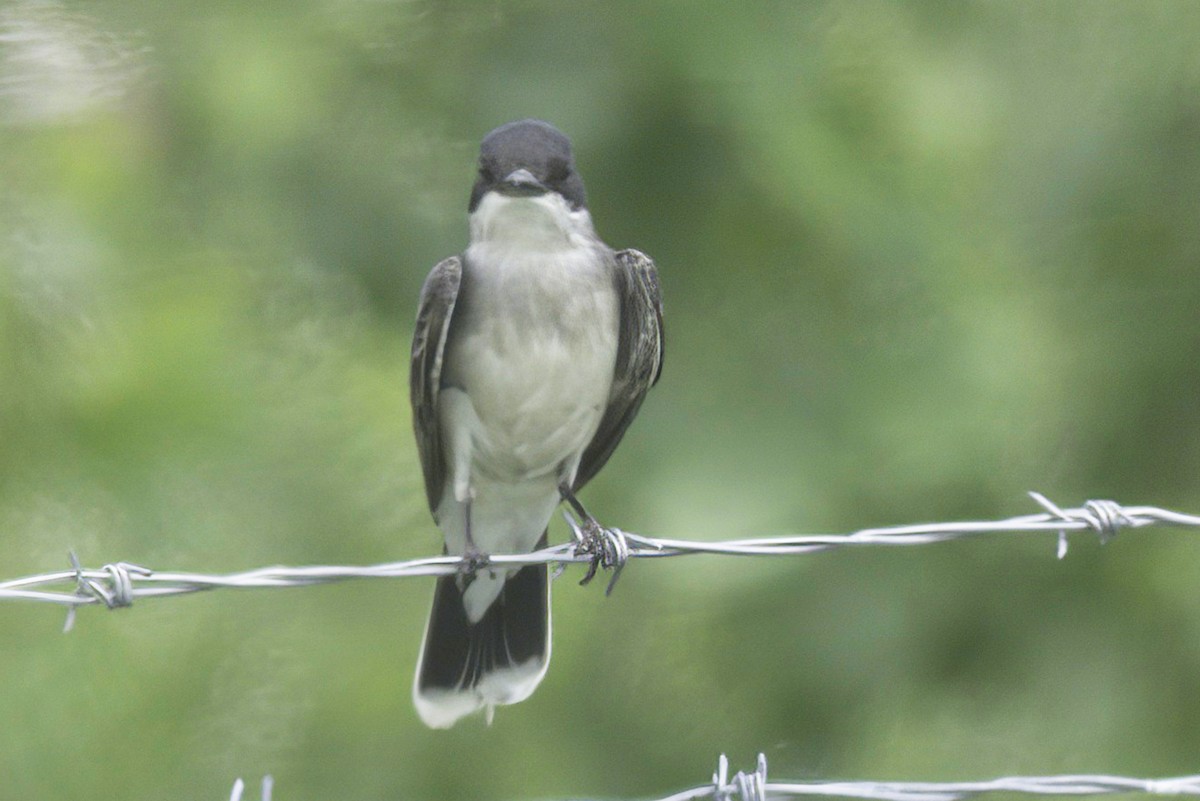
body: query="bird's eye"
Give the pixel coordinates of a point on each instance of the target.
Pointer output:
(556, 170)
(485, 172)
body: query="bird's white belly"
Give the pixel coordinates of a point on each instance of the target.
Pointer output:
(536, 409)
(536, 364)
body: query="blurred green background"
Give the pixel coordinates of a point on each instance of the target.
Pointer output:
(918, 258)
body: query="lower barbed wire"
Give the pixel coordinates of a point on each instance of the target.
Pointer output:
(754, 786)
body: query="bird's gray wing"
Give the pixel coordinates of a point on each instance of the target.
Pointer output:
(639, 357)
(438, 297)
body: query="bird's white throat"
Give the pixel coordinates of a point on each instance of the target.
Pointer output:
(543, 223)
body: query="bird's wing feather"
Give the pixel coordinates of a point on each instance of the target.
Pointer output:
(438, 297)
(639, 357)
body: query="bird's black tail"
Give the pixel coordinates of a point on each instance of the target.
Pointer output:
(468, 666)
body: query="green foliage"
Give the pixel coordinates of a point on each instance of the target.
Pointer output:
(917, 259)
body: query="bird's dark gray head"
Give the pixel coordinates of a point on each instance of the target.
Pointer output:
(527, 158)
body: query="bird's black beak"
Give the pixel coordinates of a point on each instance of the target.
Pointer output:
(521, 183)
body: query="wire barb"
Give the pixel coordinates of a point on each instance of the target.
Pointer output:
(1106, 518)
(239, 787)
(744, 786)
(114, 589)
(117, 584)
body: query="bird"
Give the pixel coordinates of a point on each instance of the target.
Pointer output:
(532, 353)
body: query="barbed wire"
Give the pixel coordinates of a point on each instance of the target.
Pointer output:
(754, 786)
(118, 584)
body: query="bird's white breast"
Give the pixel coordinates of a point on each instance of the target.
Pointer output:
(534, 351)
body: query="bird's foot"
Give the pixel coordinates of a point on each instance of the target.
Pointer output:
(607, 548)
(473, 561)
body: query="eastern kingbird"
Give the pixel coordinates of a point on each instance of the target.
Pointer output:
(532, 353)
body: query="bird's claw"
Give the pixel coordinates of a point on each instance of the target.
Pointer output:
(607, 548)
(471, 563)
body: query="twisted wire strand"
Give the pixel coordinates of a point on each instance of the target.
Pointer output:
(118, 584)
